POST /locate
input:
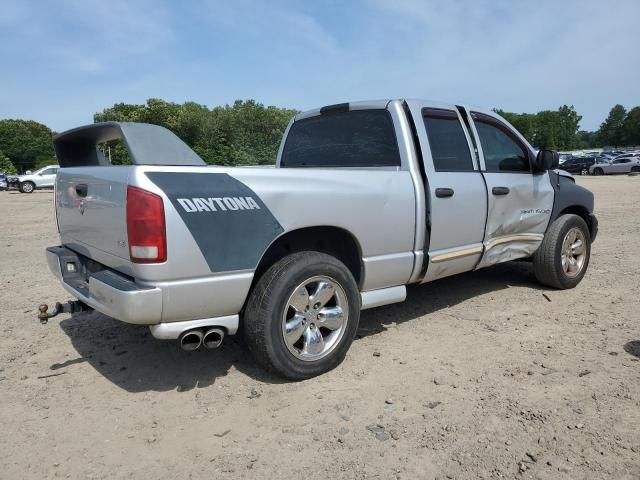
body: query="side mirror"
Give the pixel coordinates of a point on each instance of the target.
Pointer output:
(547, 160)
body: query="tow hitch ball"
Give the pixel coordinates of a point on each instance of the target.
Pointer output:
(74, 306)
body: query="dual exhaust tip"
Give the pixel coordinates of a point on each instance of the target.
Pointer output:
(210, 338)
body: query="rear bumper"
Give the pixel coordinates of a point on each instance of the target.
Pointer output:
(105, 291)
(120, 297)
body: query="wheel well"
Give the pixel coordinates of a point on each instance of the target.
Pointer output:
(582, 212)
(330, 240)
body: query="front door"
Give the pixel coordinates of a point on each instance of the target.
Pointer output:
(456, 193)
(519, 201)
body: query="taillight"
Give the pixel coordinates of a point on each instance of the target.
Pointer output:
(145, 226)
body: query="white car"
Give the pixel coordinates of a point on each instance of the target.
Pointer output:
(43, 178)
(621, 164)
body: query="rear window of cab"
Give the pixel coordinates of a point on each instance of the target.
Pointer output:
(357, 138)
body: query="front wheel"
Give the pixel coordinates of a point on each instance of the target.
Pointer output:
(635, 169)
(302, 315)
(562, 259)
(598, 171)
(27, 187)
(584, 171)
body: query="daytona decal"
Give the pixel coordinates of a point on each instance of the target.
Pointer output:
(191, 205)
(228, 221)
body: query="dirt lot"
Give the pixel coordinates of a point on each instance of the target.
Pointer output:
(476, 376)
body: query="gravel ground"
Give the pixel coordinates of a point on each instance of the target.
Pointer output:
(483, 375)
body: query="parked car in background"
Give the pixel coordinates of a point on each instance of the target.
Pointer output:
(43, 178)
(578, 165)
(622, 164)
(3, 181)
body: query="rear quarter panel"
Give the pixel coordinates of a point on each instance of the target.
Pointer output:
(376, 206)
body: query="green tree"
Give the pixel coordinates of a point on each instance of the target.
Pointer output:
(26, 143)
(525, 123)
(245, 133)
(610, 132)
(631, 127)
(548, 130)
(552, 129)
(586, 139)
(569, 121)
(6, 166)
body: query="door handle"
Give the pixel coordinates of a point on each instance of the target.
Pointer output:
(500, 190)
(81, 189)
(444, 192)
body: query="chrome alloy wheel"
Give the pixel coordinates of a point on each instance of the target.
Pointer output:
(315, 318)
(574, 252)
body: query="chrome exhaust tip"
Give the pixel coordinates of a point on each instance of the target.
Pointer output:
(213, 338)
(191, 340)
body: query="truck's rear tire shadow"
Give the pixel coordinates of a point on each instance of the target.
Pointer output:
(132, 359)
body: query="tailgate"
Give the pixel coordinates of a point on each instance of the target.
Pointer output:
(91, 210)
(91, 193)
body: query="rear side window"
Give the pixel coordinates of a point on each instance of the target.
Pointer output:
(502, 151)
(359, 138)
(449, 147)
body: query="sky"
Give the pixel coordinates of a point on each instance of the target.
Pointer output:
(63, 60)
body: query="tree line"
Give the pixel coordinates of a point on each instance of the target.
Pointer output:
(249, 133)
(559, 129)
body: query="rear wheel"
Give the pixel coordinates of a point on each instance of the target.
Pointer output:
(27, 187)
(598, 171)
(302, 315)
(584, 171)
(563, 257)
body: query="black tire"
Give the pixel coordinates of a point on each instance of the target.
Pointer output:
(635, 169)
(27, 187)
(263, 315)
(547, 261)
(584, 171)
(598, 171)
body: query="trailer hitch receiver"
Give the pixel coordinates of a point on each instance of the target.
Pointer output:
(74, 306)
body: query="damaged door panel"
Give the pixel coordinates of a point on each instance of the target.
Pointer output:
(519, 201)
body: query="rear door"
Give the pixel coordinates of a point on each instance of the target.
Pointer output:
(622, 165)
(47, 177)
(456, 193)
(519, 201)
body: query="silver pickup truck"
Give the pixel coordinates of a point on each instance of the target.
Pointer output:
(364, 199)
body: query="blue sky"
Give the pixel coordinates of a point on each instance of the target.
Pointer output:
(64, 60)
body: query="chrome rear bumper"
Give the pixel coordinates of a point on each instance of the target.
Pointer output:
(106, 291)
(120, 297)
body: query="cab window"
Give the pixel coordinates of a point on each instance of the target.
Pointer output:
(503, 152)
(449, 146)
(357, 138)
